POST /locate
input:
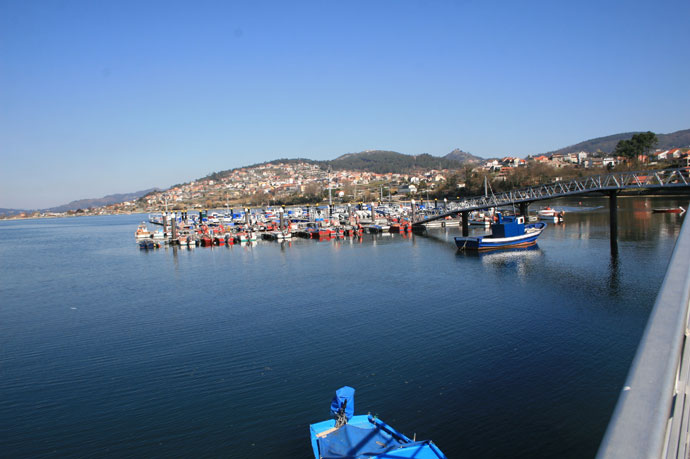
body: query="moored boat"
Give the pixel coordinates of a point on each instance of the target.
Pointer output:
(507, 232)
(142, 232)
(668, 210)
(549, 214)
(147, 244)
(363, 436)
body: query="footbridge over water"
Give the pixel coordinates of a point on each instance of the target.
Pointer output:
(609, 184)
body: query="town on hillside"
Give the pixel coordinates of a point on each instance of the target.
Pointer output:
(296, 182)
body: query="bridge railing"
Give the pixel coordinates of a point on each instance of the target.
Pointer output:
(652, 417)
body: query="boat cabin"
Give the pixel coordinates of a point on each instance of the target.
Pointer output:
(508, 226)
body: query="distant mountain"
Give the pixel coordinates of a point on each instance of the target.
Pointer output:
(104, 201)
(10, 212)
(679, 139)
(463, 156)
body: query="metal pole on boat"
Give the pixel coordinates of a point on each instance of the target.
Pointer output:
(330, 187)
(465, 223)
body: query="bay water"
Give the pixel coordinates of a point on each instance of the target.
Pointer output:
(110, 351)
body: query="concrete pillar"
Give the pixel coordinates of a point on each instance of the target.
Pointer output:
(524, 210)
(174, 226)
(613, 219)
(465, 223)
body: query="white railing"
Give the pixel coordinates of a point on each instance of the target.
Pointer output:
(651, 419)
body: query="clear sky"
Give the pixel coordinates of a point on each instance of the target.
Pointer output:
(102, 97)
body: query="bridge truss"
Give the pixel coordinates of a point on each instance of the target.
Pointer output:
(665, 178)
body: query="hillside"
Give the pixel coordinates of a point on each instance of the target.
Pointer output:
(678, 139)
(10, 212)
(382, 162)
(463, 156)
(104, 201)
(378, 161)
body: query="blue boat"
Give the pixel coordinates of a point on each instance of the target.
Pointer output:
(363, 436)
(146, 244)
(507, 232)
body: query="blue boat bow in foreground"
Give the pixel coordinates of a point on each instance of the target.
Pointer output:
(363, 436)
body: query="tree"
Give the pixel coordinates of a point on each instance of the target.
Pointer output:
(639, 144)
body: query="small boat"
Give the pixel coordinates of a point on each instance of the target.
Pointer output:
(668, 210)
(363, 436)
(480, 221)
(507, 232)
(375, 229)
(549, 214)
(434, 224)
(143, 232)
(146, 244)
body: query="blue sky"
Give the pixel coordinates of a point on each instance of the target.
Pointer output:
(110, 97)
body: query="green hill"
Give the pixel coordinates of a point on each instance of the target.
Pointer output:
(382, 162)
(678, 139)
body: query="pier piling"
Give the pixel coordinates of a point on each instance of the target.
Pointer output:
(465, 223)
(173, 223)
(613, 219)
(524, 211)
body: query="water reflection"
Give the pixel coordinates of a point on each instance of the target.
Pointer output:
(614, 272)
(517, 260)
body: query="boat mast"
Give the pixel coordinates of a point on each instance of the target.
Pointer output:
(330, 200)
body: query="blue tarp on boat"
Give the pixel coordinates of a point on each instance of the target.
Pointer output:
(345, 394)
(350, 441)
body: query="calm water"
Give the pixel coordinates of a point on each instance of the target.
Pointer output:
(106, 350)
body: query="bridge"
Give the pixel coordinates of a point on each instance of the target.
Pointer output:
(610, 184)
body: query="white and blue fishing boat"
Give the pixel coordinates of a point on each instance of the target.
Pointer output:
(507, 232)
(363, 436)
